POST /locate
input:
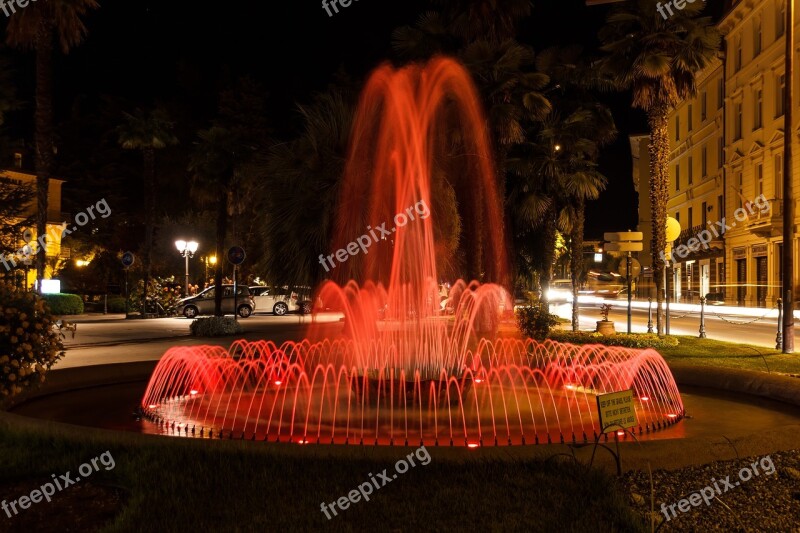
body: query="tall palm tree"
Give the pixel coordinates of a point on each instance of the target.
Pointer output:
(213, 168)
(658, 59)
(147, 132)
(38, 27)
(302, 190)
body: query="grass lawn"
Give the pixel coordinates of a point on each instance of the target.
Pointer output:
(173, 484)
(708, 352)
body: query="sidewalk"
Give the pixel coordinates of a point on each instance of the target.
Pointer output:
(88, 318)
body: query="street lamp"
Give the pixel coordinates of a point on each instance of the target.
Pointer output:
(187, 250)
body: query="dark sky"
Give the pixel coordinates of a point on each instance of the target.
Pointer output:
(182, 51)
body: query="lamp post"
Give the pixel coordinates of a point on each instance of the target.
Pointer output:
(187, 250)
(788, 196)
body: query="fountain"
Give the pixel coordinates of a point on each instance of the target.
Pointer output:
(402, 371)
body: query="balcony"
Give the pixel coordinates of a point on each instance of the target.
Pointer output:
(715, 242)
(766, 224)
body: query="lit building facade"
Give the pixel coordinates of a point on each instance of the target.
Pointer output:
(726, 151)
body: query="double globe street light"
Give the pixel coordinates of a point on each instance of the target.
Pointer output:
(187, 250)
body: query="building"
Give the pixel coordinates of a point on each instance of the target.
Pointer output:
(54, 220)
(726, 151)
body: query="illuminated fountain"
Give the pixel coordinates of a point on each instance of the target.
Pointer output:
(402, 372)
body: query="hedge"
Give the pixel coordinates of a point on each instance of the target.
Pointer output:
(215, 326)
(64, 304)
(634, 340)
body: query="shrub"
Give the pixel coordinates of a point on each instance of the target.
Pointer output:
(29, 344)
(535, 320)
(161, 292)
(116, 304)
(64, 304)
(215, 326)
(634, 340)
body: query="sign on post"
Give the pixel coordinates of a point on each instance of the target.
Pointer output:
(236, 255)
(127, 259)
(616, 411)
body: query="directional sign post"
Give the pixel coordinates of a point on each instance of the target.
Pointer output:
(127, 261)
(236, 257)
(625, 241)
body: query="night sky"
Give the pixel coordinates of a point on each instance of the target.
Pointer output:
(183, 53)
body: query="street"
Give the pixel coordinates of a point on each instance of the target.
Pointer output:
(759, 330)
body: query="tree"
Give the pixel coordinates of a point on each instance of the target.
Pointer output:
(147, 132)
(658, 59)
(302, 190)
(481, 35)
(213, 168)
(38, 27)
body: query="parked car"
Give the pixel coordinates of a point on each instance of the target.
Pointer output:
(203, 303)
(281, 300)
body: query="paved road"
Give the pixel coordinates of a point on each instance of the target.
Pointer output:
(104, 340)
(112, 339)
(732, 328)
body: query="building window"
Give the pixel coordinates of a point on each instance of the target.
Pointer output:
(778, 176)
(737, 121)
(721, 209)
(720, 93)
(689, 122)
(737, 61)
(758, 108)
(740, 187)
(780, 23)
(690, 175)
(780, 95)
(678, 216)
(677, 176)
(689, 218)
(759, 179)
(756, 37)
(720, 152)
(703, 106)
(704, 215)
(704, 161)
(677, 127)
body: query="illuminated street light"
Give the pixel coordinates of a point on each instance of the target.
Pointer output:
(187, 250)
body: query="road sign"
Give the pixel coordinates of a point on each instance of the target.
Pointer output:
(236, 255)
(623, 247)
(618, 236)
(616, 411)
(128, 259)
(636, 267)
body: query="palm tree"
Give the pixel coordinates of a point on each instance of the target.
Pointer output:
(147, 132)
(302, 190)
(213, 168)
(38, 27)
(503, 71)
(657, 59)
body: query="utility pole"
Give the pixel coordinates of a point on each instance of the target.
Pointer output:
(788, 193)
